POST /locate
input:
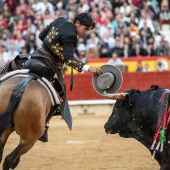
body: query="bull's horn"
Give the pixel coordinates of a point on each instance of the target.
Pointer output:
(114, 96)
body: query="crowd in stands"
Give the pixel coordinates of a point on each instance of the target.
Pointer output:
(124, 27)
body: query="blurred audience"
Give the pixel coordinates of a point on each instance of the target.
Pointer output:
(125, 27)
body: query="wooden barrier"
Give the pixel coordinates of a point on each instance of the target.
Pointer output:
(83, 89)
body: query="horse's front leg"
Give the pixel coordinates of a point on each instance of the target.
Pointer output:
(4, 138)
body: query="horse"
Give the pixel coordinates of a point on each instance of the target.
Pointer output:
(27, 118)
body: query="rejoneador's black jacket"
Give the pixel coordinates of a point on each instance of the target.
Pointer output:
(60, 39)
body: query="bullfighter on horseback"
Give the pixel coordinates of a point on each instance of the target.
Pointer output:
(59, 40)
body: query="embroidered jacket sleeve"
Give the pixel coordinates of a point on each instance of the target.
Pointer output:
(69, 41)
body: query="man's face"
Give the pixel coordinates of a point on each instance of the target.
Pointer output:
(82, 30)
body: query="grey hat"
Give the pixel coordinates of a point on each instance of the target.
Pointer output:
(110, 81)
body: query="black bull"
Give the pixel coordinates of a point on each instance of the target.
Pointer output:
(137, 116)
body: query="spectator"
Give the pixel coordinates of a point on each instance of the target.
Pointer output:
(23, 50)
(146, 19)
(5, 39)
(106, 13)
(72, 6)
(31, 45)
(125, 9)
(103, 48)
(166, 49)
(37, 40)
(143, 39)
(6, 12)
(164, 16)
(92, 53)
(3, 55)
(47, 18)
(150, 50)
(11, 26)
(146, 29)
(12, 5)
(83, 6)
(3, 21)
(42, 6)
(118, 49)
(151, 40)
(110, 39)
(82, 53)
(60, 10)
(12, 53)
(23, 6)
(132, 18)
(30, 25)
(146, 68)
(159, 67)
(29, 15)
(121, 29)
(116, 20)
(132, 28)
(93, 6)
(114, 60)
(134, 40)
(154, 5)
(104, 28)
(21, 25)
(126, 51)
(138, 51)
(139, 67)
(93, 37)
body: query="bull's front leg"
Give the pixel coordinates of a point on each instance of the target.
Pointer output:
(165, 164)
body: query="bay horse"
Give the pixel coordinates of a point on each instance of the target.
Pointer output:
(28, 118)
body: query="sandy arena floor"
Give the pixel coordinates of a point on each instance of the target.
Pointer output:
(84, 148)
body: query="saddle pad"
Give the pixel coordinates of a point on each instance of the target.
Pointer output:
(24, 72)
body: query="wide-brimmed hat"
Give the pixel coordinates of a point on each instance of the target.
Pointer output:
(110, 81)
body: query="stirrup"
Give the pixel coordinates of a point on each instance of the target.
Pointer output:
(44, 137)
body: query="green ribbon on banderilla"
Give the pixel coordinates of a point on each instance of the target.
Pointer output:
(160, 135)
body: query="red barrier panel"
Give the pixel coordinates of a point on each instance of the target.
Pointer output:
(83, 89)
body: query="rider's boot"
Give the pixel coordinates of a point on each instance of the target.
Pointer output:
(44, 137)
(55, 110)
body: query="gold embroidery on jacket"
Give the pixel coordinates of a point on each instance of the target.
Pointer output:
(51, 34)
(75, 64)
(58, 50)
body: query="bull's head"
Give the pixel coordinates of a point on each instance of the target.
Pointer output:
(121, 117)
(137, 114)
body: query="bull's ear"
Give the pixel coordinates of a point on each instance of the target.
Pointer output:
(120, 96)
(129, 100)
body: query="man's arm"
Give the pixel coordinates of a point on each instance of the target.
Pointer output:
(69, 41)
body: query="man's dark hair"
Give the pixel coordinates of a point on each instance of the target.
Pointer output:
(85, 19)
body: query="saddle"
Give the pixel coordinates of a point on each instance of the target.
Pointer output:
(55, 98)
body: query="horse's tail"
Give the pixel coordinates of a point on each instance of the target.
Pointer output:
(6, 117)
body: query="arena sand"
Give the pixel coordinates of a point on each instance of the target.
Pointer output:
(84, 148)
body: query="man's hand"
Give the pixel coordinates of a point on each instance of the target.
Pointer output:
(96, 70)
